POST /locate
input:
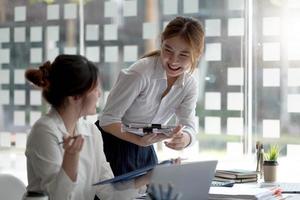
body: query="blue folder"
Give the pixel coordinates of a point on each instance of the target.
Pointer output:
(131, 175)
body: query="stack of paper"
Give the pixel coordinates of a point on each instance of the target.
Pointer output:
(234, 193)
(236, 175)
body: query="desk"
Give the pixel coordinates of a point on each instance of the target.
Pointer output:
(240, 191)
(288, 171)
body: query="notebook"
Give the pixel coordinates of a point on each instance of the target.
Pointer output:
(192, 180)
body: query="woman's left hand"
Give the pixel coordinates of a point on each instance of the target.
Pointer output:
(179, 140)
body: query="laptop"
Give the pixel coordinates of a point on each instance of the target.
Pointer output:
(192, 180)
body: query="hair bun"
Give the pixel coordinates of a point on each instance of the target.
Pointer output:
(45, 69)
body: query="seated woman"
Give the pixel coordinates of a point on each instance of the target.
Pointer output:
(63, 157)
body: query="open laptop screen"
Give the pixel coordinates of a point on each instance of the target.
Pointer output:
(192, 180)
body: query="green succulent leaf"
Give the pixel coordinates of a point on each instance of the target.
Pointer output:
(272, 153)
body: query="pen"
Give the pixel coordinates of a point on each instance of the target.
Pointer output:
(73, 137)
(170, 161)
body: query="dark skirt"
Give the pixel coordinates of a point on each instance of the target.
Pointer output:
(125, 156)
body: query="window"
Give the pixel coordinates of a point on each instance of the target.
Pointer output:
(248, 75)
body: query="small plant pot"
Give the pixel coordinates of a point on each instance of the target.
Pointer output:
(270, 170)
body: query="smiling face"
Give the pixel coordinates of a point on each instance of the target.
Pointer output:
(175, 56)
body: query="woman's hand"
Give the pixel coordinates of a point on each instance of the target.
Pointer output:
(151, 138)
(159, 191)
(179, 139)
(72, 146)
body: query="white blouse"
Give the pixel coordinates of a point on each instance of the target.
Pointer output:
(45, 156)
(136, 97)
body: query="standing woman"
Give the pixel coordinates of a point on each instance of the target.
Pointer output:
(152, 90)
(64, 152)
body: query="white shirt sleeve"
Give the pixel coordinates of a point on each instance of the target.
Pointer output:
(126, 89)
(45, 157)
(186, 111)
(110, 192)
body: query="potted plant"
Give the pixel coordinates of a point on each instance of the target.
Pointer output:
(270, 163)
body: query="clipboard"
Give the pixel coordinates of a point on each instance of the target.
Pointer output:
(144, 129)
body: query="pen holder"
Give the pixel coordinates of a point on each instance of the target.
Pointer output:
(270, 170)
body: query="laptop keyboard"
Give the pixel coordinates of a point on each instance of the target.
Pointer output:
(290, 187)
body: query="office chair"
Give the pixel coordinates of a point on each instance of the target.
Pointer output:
(11, 187)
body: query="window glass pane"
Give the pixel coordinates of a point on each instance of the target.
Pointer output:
(113, 39)
(27, 39)
(276, 88)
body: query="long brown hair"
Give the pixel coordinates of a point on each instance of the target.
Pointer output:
(190, 30)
